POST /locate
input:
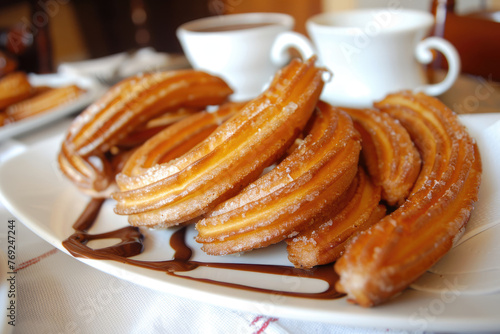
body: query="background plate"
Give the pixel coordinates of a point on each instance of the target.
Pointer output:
(93, 91)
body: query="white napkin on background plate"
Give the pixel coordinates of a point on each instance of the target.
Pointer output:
(92, 67)
(124, 64)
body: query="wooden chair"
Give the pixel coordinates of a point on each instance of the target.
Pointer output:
(476, 37)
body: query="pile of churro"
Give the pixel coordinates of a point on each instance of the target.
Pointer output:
(20, 100)
(380, 193)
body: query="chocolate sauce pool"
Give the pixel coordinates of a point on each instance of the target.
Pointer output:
(132, 244)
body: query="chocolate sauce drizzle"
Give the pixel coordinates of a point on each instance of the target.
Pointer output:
(132, 244)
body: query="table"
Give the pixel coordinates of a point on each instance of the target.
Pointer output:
(58, 294)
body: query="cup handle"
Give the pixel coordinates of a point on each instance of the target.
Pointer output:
(424, 55)
(286, 40)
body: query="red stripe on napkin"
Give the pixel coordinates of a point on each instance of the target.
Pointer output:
(264, 324)
(37, 259)
(257, 318)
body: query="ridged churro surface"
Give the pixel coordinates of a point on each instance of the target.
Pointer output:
(325, 240)
(14, 88)
(230, 158)
(127, 106)
(300, 189)
(386, 258)
(45, 100)
(388, 153)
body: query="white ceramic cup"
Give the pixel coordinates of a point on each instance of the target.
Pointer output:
(372, 53)
(236, 47)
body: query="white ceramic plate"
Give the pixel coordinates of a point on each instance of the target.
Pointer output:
(93, 91)
(43, 200)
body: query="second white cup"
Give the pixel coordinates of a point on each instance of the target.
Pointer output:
(372, 53)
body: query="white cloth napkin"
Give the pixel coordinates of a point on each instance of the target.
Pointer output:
(59, 294)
